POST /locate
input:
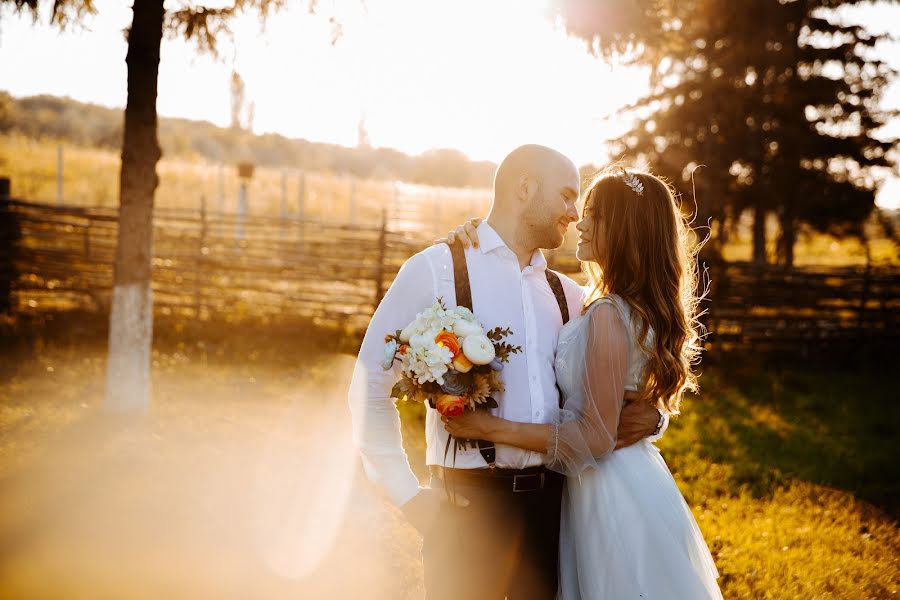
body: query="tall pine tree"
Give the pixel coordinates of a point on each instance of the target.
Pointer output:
(778, 100)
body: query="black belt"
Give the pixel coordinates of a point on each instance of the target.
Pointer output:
(529, 479)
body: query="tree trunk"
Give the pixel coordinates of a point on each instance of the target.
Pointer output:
(759, 235)
(786, 240)
(131, 317)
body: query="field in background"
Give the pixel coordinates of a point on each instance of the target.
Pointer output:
(789, 471)
(90, 178)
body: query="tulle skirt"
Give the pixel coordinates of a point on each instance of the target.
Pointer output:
(628, 533)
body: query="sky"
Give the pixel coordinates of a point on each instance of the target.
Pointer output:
(481, 76)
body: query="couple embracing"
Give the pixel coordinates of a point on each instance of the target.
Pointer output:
(567, 497)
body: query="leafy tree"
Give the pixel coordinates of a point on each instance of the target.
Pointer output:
(131, 317)
(779, 100)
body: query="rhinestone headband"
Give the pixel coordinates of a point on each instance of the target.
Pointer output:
(633, 182)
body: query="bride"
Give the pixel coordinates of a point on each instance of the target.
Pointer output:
(626, 530)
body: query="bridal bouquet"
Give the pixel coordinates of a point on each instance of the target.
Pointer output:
(448, 360)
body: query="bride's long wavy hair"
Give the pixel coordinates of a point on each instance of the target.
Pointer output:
(649, 261)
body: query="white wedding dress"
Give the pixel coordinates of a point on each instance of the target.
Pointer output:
(626, 530)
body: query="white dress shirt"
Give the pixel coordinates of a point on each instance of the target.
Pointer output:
(503, 295)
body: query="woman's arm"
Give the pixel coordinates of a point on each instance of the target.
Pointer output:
(587, 425)
(466, 234)
(481, 425)
(586, 428)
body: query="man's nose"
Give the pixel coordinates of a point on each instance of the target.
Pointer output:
(572, 213)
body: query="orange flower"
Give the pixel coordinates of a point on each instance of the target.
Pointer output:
(450, 405)
(403, 348)
(449, 340)
(462, 364)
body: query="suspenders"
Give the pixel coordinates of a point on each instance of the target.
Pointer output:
(464, 298)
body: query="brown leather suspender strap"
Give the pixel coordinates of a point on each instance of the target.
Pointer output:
(464, 298)
(557, 287)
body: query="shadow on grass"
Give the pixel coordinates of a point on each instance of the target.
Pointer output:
(763, 425)
(269, 341)
(758, 424)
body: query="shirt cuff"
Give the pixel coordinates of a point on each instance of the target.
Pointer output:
(661, 426)
(401, 495)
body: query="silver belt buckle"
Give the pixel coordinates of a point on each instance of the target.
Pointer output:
(516, 482)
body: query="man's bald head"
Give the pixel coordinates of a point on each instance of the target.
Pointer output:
(535, 191)
(530, 160)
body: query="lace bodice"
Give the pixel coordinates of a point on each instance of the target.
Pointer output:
(570, 350)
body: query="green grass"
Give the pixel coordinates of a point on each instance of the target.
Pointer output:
(789, 469)
(791, 474)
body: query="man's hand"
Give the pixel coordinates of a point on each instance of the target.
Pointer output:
(423, 509)
(637, 421)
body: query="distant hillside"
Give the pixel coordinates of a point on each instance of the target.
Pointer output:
(93, 125)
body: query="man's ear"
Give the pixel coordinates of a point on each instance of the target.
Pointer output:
(525, 188)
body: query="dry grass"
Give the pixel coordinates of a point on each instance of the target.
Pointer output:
(90, 178)
(242, 473)
(241, 482)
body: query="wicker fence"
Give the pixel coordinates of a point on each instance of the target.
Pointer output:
(205, 265)
(221, 265)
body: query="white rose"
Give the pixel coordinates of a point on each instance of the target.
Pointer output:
(449, 321)
(478, 349)
(407, 332)
(390, 350)
(464, 313)
(420, 341)
(465, 329)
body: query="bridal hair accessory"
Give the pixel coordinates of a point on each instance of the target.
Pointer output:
(633, 182)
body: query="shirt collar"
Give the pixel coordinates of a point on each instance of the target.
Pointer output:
(489, 240)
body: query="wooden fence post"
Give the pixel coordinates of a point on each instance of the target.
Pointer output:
(10, 234)
(352, 203)
(59, 175)
(204, 251)
(864, 296)
(245, 174)
(87, 241)
(395, 203)
(283, 208)
(301, 197)
(241, 212)
(382, 255)
(301, 211)
(221, 189)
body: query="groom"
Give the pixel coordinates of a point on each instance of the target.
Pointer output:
(490, 517)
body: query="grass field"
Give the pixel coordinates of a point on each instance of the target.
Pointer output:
(91, 179)
(241, 480)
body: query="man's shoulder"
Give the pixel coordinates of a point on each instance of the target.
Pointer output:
(569, 284)
(574, 291)
(432, 255)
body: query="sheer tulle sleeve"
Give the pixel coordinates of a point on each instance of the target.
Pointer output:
(585, 427)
